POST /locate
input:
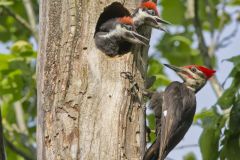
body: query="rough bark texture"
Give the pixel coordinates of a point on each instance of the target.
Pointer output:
(83, 102)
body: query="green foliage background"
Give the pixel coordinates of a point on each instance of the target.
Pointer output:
(220, 138)
(18, 81)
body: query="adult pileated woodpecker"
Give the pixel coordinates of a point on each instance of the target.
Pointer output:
(147, 14)
(174, 109)
(116, 35)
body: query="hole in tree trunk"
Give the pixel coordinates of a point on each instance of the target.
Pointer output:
(114, 10)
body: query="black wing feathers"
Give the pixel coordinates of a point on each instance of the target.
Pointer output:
(179, 105)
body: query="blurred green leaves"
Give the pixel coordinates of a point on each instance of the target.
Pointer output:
(5, 3)
(234, 2)
(18, 86)
(23, 49)
(209, 143)
(231, 94)
(220, 138)
(178, 49)
(151, 125)
(156, 69)
(231, 141)
(17, 70)
(221, 130)
(211, 122)
(18, 80)
(189, 156)
(174, 11)
(10, 28)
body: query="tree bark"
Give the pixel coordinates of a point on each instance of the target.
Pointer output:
(83, 101)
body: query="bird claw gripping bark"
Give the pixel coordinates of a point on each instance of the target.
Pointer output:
(134, 90)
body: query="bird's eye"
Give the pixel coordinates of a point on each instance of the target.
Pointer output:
(128, 27)
(193, 69)
(151, 12)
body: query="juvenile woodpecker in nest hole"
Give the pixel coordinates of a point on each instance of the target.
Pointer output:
(116, 36)
(147, 14)
(174, 109)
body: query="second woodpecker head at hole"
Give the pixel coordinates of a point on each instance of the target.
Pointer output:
(115, 32)
(126, 29)
(122, 29)
(147, 14)
(194, 76)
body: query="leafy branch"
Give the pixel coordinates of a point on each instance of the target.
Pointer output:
(22, 21)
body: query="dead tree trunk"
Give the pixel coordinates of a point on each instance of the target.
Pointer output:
(83, 101)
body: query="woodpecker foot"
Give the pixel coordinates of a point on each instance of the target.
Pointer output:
(148, 93)
(134, 88)
(134, 91)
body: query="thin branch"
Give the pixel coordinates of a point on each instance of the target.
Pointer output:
(216, 86)
(186, 146)
(20, 20)
(210, 17)
(216, 40)
(201, 41)
(221, 24)
(20, 117)
(204, 50)
(227, 38)
(31, 15)
(190, 10)
(17, 150)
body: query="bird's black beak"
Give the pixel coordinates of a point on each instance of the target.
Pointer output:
(134, 37)
(157, 22)
(176, 69)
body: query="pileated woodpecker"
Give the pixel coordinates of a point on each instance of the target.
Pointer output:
(174, 109)
(116, 35)
(147, 14)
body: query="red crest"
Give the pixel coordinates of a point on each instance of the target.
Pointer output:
(126, 20)
(149, 5)
(208, 72)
